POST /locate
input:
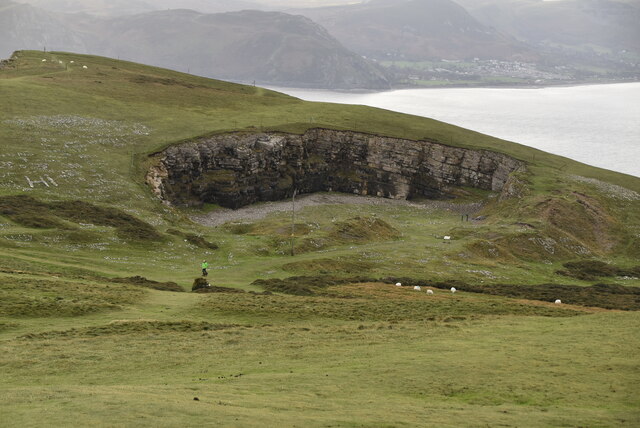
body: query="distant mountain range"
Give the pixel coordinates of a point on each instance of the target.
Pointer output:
(269, 47)
(492, 42)
(266, 47)
(128, 7)
(23, 26)
(587, 25)
(417, 30)
(354, 45)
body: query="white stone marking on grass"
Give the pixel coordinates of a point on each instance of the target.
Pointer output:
(51, 180)
(32, 182)
(610, 190)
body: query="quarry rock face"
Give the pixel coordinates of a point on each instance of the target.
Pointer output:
(238, 169)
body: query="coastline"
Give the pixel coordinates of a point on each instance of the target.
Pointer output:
(593, 123)
(284, 89)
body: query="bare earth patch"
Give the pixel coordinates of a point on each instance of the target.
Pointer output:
(261, 210)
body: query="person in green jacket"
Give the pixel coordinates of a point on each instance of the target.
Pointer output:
(205, 265)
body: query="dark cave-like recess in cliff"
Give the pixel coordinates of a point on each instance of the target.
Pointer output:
(237, 169)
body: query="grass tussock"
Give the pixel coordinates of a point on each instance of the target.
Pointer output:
(591, 270)
(4, 326)
(141, 281)
(38, 298)
(30, 212)
(530, 246)
(201, 285)
(378, 302)
(606, 296)
(133, 327)
(219, 289)
(304, 285)
(239, 228)
(194, 239)
(363, 229)
(310, 237)
(599, 295)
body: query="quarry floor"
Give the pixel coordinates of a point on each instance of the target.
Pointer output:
(259, 211)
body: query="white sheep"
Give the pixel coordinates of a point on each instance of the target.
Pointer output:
(398, 284)
(44, 60)
(558, 301)
(429, 291)
(453, 289)
(417, 287)
(447, 238)
(85, 67)
(71, 62)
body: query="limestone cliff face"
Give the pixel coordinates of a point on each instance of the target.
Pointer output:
(238, 169)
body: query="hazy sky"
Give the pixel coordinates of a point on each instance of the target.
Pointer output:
(96, 5)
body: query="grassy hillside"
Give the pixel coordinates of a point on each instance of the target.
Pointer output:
(87, 133)
(248, 45)
(83, 337)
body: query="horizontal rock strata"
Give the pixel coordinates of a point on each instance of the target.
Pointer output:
(233, 170)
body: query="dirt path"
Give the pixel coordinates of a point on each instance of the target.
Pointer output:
(263, 209)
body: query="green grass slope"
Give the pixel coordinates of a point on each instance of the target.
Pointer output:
(83, 338)
(87, 131)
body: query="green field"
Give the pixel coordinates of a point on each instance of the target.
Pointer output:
(340, 346)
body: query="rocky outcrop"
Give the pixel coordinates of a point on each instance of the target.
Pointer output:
(238, 169)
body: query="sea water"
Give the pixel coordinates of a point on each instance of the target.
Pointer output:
(595, 124)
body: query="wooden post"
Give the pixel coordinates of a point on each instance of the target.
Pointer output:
(293, 220)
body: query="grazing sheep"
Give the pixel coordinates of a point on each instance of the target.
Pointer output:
(558, 301)
(429, 291)
(398, 284)
(85, 67)
(453, 289)
(417, 287)
(44, 60)
(447, 238)
(71, 62)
